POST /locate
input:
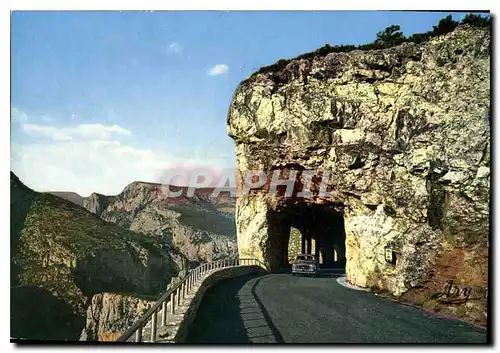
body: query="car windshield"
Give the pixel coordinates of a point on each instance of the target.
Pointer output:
(305, 257)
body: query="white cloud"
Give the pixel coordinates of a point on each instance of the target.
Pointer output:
(83, 166)
(218, 69)
(103, 166)
(87, 158)
(82, 131)
(18, 116)
(47, 131)
(175, 48)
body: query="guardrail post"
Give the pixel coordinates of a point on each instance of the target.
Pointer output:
(153, 326)
(164, 311)
(172, 303)
(178, 295)
(138, 335)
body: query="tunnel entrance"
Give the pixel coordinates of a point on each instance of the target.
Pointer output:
(309, 229)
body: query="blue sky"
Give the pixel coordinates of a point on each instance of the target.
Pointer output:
(100, 99)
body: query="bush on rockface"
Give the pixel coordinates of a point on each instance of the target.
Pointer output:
(389, 37)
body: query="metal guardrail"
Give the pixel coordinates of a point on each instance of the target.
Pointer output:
(174, 296)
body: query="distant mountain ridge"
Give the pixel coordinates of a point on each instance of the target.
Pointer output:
(223, 196)
(201, 227)
(70, 196)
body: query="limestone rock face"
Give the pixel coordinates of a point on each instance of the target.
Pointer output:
(404, 134)
(110, 314)
(201, 228)
(96, 203)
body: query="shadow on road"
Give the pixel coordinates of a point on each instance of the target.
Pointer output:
(231, 312)
(275, 331)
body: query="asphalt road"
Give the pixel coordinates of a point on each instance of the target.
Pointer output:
(285, 309)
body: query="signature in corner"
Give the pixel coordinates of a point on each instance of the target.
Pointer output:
(452, 294)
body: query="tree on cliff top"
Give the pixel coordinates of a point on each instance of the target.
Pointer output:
(445, 25)
(390, 36)
(476, 20)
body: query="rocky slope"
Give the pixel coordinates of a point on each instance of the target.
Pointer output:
(404, 134)
(201, 227)
(62, 255)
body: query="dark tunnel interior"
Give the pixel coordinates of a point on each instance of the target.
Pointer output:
(322, 234)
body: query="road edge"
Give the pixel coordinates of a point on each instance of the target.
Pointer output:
(342, 281)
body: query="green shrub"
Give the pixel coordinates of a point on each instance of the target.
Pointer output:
(389, 37)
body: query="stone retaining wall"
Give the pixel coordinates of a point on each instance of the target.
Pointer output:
(211, 280)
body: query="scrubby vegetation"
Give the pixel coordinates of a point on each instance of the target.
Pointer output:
(389, 37)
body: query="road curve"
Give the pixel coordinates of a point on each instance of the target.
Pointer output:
(279, 308)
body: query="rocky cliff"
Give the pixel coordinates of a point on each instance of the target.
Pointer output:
(201, 227)
(96, 203)
(111, 314)
(403, 134)
(62, 255)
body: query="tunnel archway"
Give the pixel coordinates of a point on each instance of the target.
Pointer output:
(321, 229)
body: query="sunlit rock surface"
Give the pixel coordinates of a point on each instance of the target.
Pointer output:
(404, 133)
